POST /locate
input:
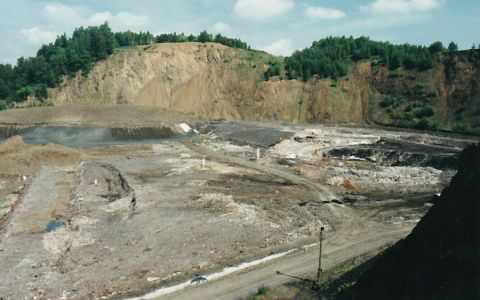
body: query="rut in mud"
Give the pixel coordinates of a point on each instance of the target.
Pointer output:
(104, 181)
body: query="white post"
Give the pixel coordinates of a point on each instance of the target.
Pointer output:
(258, 153)
(203, 162)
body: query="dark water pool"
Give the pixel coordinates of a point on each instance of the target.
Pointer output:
(54, 225)
(82, 136)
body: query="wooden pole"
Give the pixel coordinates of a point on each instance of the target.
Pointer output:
(320, 255)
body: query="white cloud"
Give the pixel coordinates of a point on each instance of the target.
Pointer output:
(64, 16)
(283, 47)
(36, 36)
(120, 21)
(401, 6)
(324, 13)
(261, 9)
(221, 27)
(100, 18)
(126, 20)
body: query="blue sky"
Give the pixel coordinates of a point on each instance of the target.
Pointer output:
(277, 26)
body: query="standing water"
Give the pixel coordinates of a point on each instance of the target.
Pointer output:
(84, 136)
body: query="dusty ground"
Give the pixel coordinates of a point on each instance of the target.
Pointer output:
(92, 115)
(113, 220)
(186, 218)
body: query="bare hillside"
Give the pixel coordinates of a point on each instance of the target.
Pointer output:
(212, 81)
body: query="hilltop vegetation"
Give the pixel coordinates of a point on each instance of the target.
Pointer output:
(66, 56)
(336, 80)
(331, 57)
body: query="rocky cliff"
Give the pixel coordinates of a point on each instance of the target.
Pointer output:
(211, 81)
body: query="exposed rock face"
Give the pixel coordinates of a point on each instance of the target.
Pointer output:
(212, 81)
(440, 259)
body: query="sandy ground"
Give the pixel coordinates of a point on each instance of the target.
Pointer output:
(92, 115)
(91, 222)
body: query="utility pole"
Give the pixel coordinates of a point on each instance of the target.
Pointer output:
(320, 255)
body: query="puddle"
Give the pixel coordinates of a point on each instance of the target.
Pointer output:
(54, 225)
(84, 136)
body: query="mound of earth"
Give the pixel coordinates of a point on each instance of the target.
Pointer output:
(12, 145)
(440, 259)
(17, 158)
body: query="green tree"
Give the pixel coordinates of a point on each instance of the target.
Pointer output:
(204, 37)
(452, 47)
(436, 47)
(3, 105)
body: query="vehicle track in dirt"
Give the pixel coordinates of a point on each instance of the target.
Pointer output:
(300, 263)
(320, 193)
(356, 232)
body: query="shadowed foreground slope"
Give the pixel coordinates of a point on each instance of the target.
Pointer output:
(440, 259)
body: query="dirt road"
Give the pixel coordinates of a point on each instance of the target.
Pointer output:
(300, 263)
(320, 192)
(352, 238)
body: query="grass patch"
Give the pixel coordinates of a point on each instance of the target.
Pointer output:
(259, 293)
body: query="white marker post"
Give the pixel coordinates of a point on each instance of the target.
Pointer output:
(203, 162)
(258, 153)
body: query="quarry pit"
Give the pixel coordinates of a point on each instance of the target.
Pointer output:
(119, 220)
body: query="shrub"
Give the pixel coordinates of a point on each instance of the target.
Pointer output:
(387, 101)
(425, 123)
(262, 290)
(460, 127)
(394, 74)
(426, 111)
(408, 116)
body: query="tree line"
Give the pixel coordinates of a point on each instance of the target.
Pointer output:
(68, 55)
(332, 56)
(326, 58)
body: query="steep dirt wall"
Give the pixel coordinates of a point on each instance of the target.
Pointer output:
(211, 81)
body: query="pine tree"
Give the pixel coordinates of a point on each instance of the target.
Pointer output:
(452, 47)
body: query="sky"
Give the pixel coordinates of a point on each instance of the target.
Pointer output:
(276, 26)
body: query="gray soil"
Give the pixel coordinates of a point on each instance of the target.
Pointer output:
(128, 219)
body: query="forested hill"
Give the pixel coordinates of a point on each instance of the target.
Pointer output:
(331, 57)
(335, 80)
(326, 58)
(68, 55)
